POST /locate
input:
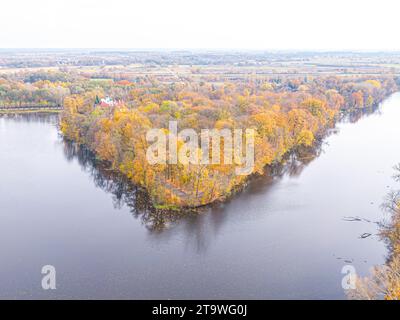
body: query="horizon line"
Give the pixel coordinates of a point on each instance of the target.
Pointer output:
(203, 49)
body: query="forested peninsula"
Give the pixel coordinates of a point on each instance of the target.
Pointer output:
(112, 117)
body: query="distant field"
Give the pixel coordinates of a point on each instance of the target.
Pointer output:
(214, 67)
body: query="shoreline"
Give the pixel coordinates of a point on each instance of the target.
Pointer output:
(16, 111)
(272, 170)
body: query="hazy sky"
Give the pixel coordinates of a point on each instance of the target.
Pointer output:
(216, 24)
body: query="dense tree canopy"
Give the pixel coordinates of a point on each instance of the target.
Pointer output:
(286, 115)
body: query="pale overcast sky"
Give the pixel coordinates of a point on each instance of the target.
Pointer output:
(207, 24)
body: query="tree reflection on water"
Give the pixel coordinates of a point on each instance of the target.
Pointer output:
(124, 193)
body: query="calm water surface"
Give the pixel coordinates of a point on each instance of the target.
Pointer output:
(285, 237)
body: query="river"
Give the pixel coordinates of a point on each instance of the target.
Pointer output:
(283, 237)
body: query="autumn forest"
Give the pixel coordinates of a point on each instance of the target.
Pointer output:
(100, 106)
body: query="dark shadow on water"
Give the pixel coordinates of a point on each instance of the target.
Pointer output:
(196, 224)
(124, 193)
(158, 222)
(34, 117)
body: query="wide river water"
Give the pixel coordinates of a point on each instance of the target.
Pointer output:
(283, 237)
